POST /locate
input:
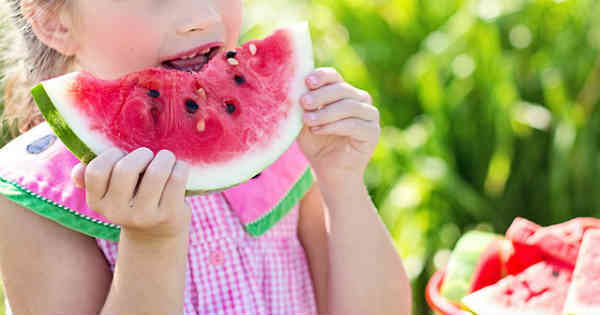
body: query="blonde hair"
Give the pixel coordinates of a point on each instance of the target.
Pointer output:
(27, 61)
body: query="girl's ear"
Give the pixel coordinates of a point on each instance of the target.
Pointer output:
(53, 27)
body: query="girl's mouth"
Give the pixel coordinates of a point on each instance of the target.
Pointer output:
(192, 62)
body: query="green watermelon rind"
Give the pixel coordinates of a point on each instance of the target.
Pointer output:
(59, 126)
(463, 262)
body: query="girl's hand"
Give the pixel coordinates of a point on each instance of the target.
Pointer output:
(142, 193)
(341, 126)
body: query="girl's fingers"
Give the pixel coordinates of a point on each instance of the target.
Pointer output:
(78, 175)
(126, 173)
(332, 93)
(175, 187)
(355, 128)
(343, 109)
(321, 77)
(97, 175)
(156, 176)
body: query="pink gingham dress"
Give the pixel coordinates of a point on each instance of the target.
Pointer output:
(231, 272)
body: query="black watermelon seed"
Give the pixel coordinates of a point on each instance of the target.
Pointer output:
(256, 176)
(153, 93)
(555, 274)
(191, 106)
(239, 79)
(230, 108)
(231, 54)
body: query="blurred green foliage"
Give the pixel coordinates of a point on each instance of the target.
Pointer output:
(488, 110)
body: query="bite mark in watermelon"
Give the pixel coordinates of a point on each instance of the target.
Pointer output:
(540, 289)
(584, 293)
(229, 121)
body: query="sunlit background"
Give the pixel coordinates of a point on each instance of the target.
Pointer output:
(488, 110)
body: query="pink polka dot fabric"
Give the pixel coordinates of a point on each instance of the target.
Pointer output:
(230, 272)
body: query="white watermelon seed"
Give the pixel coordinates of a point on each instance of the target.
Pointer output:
(252, 49)
(233, 61)
(201, 125)
(201, 92)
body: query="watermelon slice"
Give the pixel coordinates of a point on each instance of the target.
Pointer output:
(584, 294)
(466, 266)
(229, 121)
(539, 290)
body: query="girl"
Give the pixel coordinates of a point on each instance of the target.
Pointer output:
(331, 254)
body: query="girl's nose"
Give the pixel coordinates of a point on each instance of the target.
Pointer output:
(201, 22)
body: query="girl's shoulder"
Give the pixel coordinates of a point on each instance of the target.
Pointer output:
(35, 171)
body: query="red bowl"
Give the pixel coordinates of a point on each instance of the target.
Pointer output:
(436, 301)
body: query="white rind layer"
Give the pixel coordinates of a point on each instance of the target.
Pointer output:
(211, 176)
(581, 277)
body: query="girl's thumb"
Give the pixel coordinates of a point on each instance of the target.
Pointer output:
(78, 175)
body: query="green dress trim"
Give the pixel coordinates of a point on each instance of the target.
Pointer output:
(95, 228)
(59, 213)
(293, 196)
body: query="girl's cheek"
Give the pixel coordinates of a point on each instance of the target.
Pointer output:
(111, 50)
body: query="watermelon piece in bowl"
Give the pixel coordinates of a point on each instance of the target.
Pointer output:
(584, 294)
(540, 289)
(230, 120)
(475, 262)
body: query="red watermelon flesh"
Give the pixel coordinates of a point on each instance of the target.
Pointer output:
(540, 289)
(229, 121)
(560, 242)
(489, 269)
(584, 293)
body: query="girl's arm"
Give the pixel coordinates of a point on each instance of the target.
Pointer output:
(49, 269)
(355, 267)
(341, 130)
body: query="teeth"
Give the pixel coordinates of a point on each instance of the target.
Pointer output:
(194, 55)
(189, 57)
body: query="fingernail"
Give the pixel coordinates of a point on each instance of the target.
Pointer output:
(312, 80)
(307, 100)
